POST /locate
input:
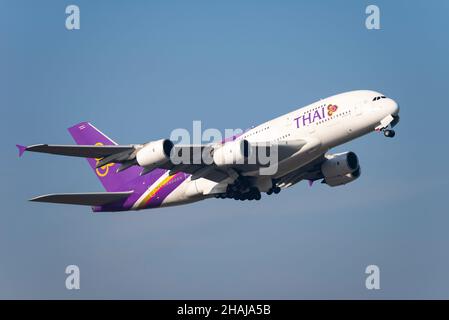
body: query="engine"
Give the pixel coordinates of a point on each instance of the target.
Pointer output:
(231, 153)
(154, 153)
(340, 168)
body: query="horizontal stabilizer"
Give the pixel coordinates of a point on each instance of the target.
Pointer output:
(85, 151)
(89, 199)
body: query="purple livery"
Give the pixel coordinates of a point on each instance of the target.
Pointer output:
(85, 133)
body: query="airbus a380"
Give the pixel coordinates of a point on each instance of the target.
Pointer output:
(144, 176)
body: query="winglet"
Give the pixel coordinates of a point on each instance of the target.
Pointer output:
(310, 183)
(21, 149)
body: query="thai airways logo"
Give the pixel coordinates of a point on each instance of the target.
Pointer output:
(315, 114)
(331, 109)
(104, 170)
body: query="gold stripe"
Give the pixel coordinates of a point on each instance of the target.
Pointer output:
(155, 190)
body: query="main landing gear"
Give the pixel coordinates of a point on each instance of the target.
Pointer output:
(242, 190)
(274, 190)
(251, 194)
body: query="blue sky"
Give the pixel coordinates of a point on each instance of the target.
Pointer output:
(139, 69)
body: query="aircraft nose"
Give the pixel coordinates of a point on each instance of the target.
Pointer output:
(393, 107)
(396, 108)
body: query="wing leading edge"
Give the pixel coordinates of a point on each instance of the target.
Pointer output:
(87, 151)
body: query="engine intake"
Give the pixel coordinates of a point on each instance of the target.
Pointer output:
(340, 168)
(154, 153)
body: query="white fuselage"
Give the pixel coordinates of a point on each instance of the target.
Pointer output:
(323, 124)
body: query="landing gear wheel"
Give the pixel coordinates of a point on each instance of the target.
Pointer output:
(276, 190)
(389, 133)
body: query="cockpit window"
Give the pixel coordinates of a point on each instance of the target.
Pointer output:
(379, 97)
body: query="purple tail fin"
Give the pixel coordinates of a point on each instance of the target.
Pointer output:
(85, 133)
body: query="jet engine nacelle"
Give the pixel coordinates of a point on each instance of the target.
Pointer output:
(340, 168)
(154, 153)
(231, 153)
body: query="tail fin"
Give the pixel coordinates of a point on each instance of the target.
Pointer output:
(85, 133)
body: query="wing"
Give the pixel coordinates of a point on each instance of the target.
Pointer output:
(79, 150)
(90, 199)
(193, 164)
(310, 172)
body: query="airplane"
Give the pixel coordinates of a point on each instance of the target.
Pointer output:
(141, 176)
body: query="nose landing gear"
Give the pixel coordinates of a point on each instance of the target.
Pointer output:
(389, 133)
(388, 122)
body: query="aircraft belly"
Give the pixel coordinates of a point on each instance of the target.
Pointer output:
(182, 194)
